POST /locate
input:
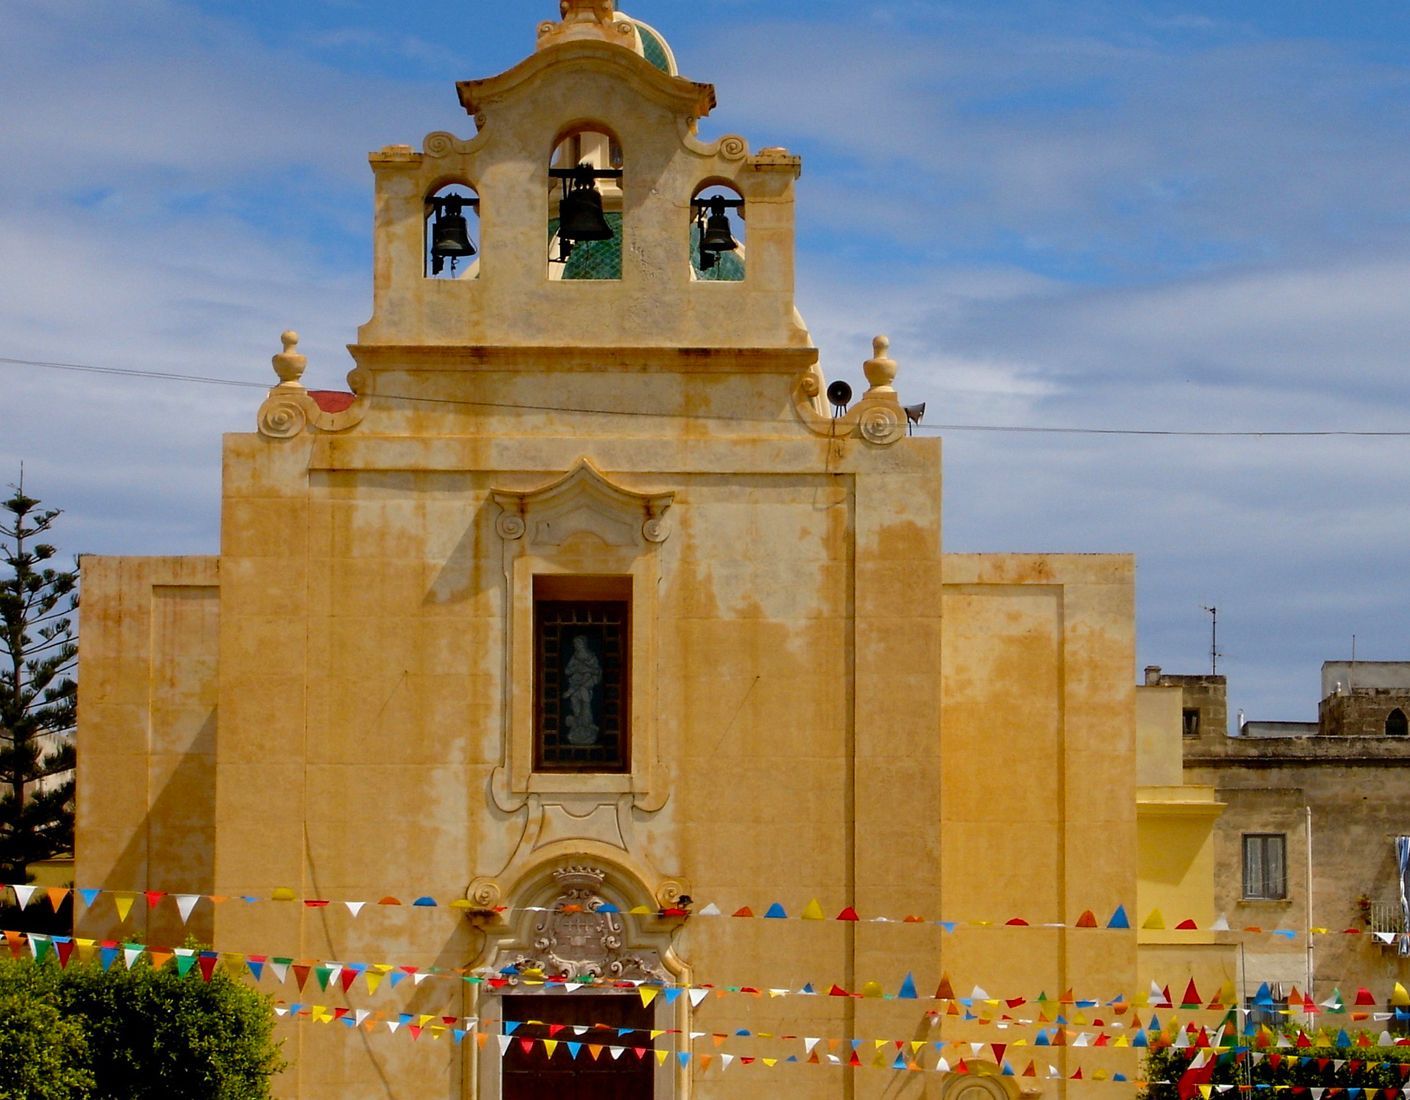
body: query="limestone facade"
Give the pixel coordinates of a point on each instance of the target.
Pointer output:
(809, 700)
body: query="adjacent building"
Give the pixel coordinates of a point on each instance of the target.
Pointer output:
(1308, 838)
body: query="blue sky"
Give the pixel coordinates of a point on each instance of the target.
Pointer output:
(1133, 215)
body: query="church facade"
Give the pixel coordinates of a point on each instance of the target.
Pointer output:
(592, 616)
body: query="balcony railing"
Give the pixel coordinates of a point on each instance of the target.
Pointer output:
(1386, 920)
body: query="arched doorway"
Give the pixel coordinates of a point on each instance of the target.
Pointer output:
(563, 993)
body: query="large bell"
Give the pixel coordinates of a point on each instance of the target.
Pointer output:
(717, 237)
(450, 236)
(580, 216)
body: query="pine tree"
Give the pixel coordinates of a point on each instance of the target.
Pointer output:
(38, 696)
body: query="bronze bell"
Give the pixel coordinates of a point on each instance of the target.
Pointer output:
(450, 236)
(580, 216)
(717, 237)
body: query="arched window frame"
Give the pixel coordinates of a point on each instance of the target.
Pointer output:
(719, 267)
(587, 260)
(433, 205)
(1397, 725)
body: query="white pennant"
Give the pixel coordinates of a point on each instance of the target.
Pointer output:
(711, 910)
(942, 1066)
(392, 1026)
(616, 1052)
(354, 907)
(34, 940)
(23, 894)
(725, 1060)
(281, 971)
(360, 1015)
(420, 976)
(809, 1043)
(185, 903)
(979, 994)
(504, 1041)
(698, 995)
(130, 955)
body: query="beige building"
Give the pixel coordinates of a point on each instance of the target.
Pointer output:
(1309, 802)
(587, 600)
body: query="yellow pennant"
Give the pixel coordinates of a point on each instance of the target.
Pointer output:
(648, 994)
(661, 1056)
(770, 1062)
(1399, 997)
(813, 911)
(549, 1046)
(373, 980)
(124, 905)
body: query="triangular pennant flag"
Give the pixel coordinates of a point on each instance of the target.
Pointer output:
(56, 895)
(812, 911)
(1155, 922)
(185, 903)
(848, 914)
(1119, 918)
(354, 907)
(648, 994)
(1088, 919)
(23, 894)
(711, 910)
(775, 912)
(908, 989)
(123, 902)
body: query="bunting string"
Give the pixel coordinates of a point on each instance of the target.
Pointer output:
(125, 901)
(1063, 1011)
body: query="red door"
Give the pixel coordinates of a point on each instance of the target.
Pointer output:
(532, 1075)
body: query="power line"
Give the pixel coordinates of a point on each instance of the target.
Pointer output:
(1022, 429)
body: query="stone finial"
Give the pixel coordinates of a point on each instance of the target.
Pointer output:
(586, 11)
(289, 364)
(880, 370)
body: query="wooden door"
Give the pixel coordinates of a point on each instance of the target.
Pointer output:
(531, 1075)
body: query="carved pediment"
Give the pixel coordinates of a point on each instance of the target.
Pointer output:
(579, 935)
(583, 501)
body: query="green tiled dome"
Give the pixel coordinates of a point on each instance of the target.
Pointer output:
(594, 259)
(653, 48)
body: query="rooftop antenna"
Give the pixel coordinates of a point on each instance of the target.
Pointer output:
(1213, 640)
(1351, 672)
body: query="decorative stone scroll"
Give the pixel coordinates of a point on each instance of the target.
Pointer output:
(877, 418)
(579, 934)
(290, 408)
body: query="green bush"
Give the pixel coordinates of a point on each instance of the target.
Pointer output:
(43, 1056)
(139, 1033)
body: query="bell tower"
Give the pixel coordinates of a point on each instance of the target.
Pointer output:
(588, 193)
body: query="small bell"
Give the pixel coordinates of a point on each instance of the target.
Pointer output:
(717, 237)
(450, 236)
(580, 216)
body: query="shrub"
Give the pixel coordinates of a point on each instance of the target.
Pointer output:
(145, 1033)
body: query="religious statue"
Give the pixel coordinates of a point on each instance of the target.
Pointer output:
(583, 673)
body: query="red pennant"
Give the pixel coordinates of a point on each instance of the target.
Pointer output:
(745, 911)
(1028, 1070)
(838, 991)
(1363, 997)
(347, 977)
(554, 1029)
(854, 1060)
(154, 896)
(207, 963)
(301, 973)
(640, 1052)
(1016, 922)
(848, 914)
(1187, 925)
(315, 903)
(944, 991)
(65, 950)
(1088, 919)
(526, 1045)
